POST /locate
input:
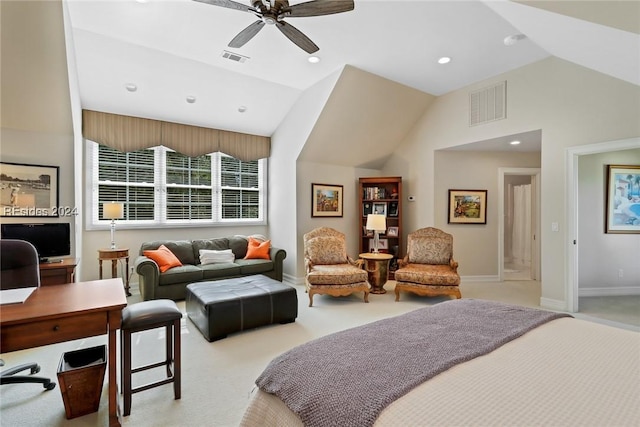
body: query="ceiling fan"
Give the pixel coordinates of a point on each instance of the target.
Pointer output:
(273, 12)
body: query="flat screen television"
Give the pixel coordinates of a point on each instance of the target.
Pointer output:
(50, 240)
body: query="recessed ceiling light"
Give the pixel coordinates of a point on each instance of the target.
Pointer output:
(191, 99)
(242, 108)
(444, 60)
(314, 59)
(131, 87)
(513, 39)
(514, 142)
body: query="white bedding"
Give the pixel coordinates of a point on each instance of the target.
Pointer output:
(568, 372)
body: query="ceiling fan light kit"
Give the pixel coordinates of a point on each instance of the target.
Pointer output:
(273, 12)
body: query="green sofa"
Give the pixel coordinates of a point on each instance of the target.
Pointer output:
(172, 283)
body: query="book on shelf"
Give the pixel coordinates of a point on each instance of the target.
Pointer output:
(374, 193)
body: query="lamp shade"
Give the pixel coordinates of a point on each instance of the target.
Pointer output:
(376, 222)
(113, 210)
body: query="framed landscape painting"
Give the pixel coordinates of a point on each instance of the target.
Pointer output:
(623, 199)
(28, 190)
(467, 207)
(326, 200)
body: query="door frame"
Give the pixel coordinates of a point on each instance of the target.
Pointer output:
(534, 173)
(571, 248)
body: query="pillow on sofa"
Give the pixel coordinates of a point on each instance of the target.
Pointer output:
(163, 257)
(216, 257)
(257, 249)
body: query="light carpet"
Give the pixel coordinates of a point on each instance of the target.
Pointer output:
(218, 377)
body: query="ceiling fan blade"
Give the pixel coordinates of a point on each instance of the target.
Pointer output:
(246, 34)
(320, 7)
(230, 4)
(297, 37)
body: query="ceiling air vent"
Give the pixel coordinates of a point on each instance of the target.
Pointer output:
(488, 104)
(233, 56)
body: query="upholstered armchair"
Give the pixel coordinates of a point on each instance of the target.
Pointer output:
(328, 268)
(428, 268)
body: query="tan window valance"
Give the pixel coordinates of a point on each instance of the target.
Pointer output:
(126, 133)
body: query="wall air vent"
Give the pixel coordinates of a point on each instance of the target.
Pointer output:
(488, 104)
(233, 56)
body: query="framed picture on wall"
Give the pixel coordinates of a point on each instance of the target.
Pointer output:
(29, 190)
(623, 199)
(467, 207)
(326, 200)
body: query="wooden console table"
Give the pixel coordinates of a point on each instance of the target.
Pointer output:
(114, 255)
(58, 272)
(59, 313)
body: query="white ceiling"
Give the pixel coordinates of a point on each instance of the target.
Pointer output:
(171, 49)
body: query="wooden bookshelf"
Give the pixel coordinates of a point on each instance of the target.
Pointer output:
(382, 195)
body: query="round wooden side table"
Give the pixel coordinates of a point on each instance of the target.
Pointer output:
(114, 255)
(377, 266)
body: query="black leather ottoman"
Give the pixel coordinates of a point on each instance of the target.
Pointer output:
(222, 307)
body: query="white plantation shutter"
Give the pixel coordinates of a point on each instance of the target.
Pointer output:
(161, 186)
(241, 189)
(189, 194)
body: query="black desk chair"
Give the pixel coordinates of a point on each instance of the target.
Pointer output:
(19, 269)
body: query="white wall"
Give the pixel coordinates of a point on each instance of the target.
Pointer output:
(284, 189)
(572, 106)
(475, 245)
(319, 173)
(42, 148)
(601, 255)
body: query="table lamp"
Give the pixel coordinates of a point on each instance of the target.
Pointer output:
(377, 223)
(113, 211)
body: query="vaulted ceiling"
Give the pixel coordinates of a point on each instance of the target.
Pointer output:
(174, 49)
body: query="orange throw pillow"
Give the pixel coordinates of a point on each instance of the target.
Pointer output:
(257, 249)
(163, 257)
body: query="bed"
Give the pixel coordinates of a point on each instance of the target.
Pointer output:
(561, 371)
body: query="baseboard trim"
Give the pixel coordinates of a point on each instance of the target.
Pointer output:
(553, 304)
(294, 280)
(609, 292)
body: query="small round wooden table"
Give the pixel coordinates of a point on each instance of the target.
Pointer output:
(114, 255)
(377, 266)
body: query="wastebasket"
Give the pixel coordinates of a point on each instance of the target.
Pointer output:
(81, 375)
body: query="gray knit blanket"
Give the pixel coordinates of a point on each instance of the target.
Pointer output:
(349, 377)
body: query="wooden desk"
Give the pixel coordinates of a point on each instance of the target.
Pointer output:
(114, 255)
(58, 313)
(58, 272)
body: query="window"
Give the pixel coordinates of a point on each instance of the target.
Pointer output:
(160, 186)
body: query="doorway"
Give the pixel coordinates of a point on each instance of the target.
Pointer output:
(572, 213)
(519, 202)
